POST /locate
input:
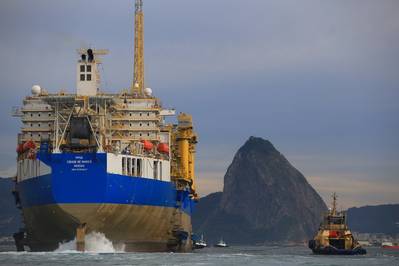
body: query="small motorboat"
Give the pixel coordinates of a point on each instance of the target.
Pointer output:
(200, 243)
(221, 244)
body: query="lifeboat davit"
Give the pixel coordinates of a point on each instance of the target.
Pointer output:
(29, 145)
(147, 145)
(163, 148)
(20, 148)
(32, 155)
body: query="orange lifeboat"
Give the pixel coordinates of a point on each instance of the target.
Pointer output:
(29, 145)
(147, 145)
(163, 148)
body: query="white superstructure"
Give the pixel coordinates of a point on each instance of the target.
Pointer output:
(129, 128)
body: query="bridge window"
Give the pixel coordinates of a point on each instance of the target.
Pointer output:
(124, 165)
(160, 171)
(139, 167)
(133, 167)
(129, 162)
(82, 68)
(88, 77)
(155, 170)
(82, 77)
(88, 68)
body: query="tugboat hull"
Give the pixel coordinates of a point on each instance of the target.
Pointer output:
(331, 250)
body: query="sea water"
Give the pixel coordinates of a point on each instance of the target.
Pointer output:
(100, 251)
(94, 243)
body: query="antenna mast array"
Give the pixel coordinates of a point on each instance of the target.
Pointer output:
(334, 210)
(138, 75)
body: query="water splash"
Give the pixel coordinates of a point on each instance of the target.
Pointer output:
(94, 243)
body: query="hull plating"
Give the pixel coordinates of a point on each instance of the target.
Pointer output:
(138, 228)
(138, 212)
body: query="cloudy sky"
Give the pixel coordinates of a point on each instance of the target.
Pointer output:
(319, 79)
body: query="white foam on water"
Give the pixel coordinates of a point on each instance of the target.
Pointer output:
(95, 242)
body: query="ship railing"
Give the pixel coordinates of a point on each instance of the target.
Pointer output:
(130, 118)
(37, 119)
(135, 129)
(16, 111)
(134, 108)
(37, 129)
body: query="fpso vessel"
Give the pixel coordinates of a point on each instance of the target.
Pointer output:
(98, 162)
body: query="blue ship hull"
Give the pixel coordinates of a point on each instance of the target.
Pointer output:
(140, 213)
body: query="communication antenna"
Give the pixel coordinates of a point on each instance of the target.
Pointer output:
(334, 208)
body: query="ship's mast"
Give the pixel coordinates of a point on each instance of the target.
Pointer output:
(334, 207)
(138, 75)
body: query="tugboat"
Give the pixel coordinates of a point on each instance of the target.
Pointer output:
(221, 244)
(334, 236)
(200, 244)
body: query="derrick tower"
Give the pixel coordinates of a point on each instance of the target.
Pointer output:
(138, 75)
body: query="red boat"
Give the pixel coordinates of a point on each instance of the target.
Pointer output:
(390, 246)
(393, 247)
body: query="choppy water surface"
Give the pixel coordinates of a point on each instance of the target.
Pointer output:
(210, 256)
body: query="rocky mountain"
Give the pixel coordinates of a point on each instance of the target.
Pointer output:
(375, 219)
(265, 199)
(10, 217)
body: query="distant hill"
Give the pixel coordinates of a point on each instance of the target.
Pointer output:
(10, 217)
(375, 219)
(265, 199)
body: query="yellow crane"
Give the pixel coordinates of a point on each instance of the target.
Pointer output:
(186, 140)
(138, 75)
(184, 136)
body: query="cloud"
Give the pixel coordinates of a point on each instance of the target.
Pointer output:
(317, 78)
(209, 182)
(355, 192)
